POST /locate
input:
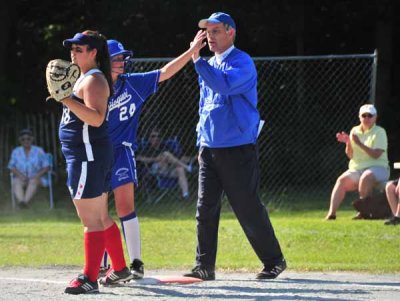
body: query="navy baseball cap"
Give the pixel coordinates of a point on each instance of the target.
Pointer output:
(24, 132)
(82, 39)
(116, 48)
(218, 18)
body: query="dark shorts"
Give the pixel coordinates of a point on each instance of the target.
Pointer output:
(88, 180)
(124, 168)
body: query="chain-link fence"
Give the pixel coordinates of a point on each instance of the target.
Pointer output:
(304, 101)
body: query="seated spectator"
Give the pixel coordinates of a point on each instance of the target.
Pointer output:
(366, 147)
(28, 164)
(162, 160)
(393, 196)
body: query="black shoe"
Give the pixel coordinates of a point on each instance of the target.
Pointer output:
(23, 205)
(103, 271)
(358, 216)
(114, 277)
(394, 220)
(201, 273)
(137, 269)
(82, 285)
(271, 272)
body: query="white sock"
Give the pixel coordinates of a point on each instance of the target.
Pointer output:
(131, 230)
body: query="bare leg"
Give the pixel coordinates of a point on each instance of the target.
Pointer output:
(18, 186)
(182, 180)
(31, 189)
(366, 184)
(398, 210)
(343, 184)
(93, 213)
(175, 161)
(391, 196)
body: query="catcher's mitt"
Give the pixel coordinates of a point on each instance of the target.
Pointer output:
(61, 77)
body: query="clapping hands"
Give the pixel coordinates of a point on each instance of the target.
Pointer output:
(342, 137)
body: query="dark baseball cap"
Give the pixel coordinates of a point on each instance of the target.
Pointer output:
(116, 48)
(24, 132)
(218, 18)
(82, 39)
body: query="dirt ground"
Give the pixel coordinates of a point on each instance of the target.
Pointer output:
(49, 283)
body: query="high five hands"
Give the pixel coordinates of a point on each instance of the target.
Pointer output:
(198, 43)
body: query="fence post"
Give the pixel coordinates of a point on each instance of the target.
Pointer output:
(373, 77)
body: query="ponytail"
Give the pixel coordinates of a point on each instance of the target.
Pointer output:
(103, 56)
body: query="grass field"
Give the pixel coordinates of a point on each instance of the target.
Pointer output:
(43, 237)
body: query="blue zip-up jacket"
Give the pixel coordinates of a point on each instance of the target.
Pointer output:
(228, 101)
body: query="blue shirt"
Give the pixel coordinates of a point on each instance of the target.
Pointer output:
(125, 106)
(228, 101)
(28, 165)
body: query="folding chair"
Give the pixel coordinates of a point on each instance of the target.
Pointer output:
(149, 181)
(13, 204)
(46, 181)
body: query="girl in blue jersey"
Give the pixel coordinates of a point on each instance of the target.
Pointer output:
(124, 107)
(88, 153)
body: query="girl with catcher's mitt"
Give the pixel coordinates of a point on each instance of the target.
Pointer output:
(88, 152)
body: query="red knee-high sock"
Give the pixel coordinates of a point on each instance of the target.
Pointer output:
(114, 247)
(94, 250)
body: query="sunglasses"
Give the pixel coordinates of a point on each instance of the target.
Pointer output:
(26, 139)
(367, 115)
(154, 136)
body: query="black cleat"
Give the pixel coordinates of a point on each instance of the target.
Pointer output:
(82, 285)
(201, 273)
(23, 205)
(394, 220)
(271, 272)
(114, 277)
(137, 269)
(330, 217)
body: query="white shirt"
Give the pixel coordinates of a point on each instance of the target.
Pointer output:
(219, 57)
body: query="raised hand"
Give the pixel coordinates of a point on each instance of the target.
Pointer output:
(342, 137)
(198, 43)
(355, 138)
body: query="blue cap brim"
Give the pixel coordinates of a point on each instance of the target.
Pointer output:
(81, 39)
(123, 52)
(216, 18)
(203, 22)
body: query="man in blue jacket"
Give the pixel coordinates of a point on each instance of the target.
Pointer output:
(228, 156)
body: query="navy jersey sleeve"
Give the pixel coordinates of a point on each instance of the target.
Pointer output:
(143, 84)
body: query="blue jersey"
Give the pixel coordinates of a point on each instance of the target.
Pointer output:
(79, 140)
(124, 107)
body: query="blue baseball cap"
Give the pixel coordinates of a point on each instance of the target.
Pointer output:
(82, 39)
(218, 18)
(116, 48)
(24, 132)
